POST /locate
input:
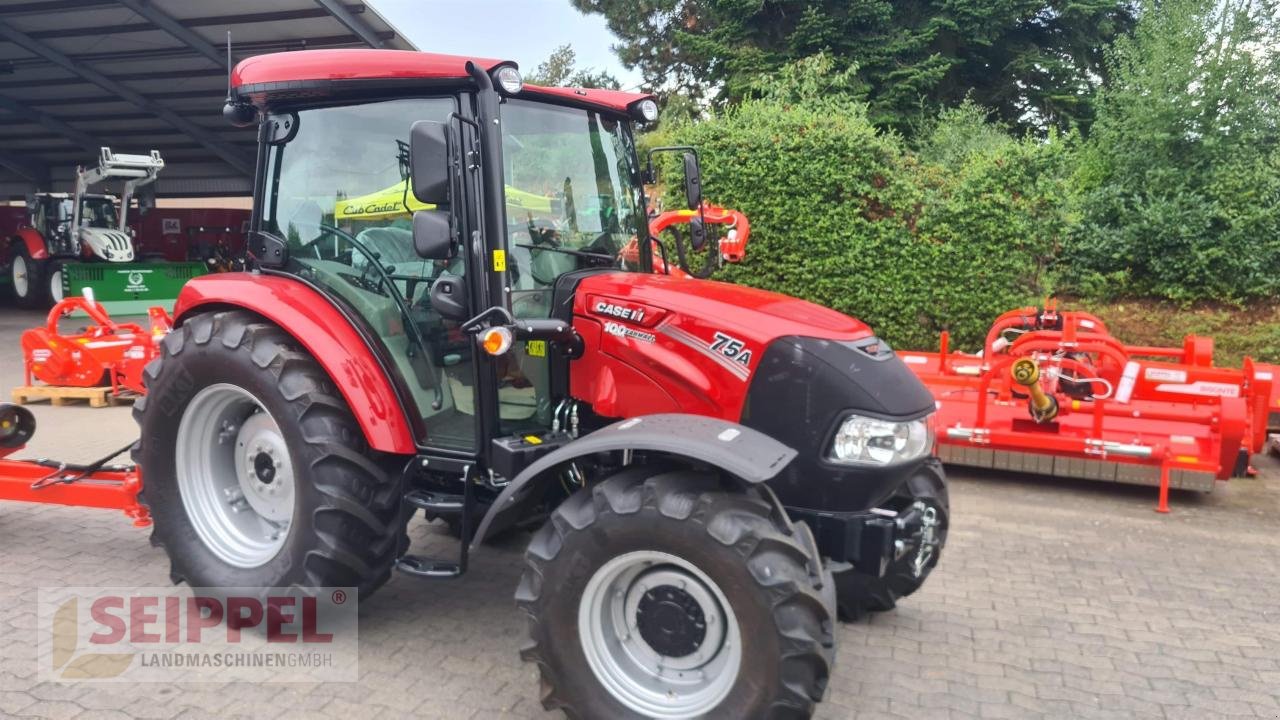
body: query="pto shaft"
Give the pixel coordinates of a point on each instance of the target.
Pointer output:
(1043, 407)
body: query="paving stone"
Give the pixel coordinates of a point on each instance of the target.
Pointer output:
(1054, 599)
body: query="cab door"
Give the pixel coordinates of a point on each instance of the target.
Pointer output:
(347, 219)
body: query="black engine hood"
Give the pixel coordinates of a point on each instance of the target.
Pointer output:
(803, 386)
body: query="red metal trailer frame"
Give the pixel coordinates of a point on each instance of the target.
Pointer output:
(97, 485)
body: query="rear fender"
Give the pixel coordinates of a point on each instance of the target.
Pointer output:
(34, 243)
(746, 454)
(325, 332)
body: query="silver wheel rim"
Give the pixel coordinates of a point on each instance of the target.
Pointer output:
(21, 283)
(235, 475)
(55, 285)
(626, 663)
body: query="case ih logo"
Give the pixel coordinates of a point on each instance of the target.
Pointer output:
(194, 635)
(622, 312)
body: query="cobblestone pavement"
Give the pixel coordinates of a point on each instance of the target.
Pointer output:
(1053, 599)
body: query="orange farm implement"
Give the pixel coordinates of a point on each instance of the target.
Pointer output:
(1054, 393)
(105, 353)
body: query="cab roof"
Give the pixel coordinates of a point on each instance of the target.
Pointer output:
(265, 79)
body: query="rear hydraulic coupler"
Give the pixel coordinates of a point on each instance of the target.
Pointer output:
(1042, 406)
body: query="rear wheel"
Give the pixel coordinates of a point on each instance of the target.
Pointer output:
(27, 278)
(670, 595)
(257, 473)
(923, 499)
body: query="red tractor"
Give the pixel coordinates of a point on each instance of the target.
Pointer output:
(716, 469)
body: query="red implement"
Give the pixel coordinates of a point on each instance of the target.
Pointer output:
(1097, 408)
(104, 353)
(114, 487)
(733, 245)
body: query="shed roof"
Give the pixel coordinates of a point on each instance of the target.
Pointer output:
(137, 75)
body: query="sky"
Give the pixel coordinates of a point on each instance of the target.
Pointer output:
(522, 30)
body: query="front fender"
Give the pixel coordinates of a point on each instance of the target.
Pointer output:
(34, 242)
(325, 332)
(747, 454)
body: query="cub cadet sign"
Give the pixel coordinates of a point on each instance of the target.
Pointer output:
(394, 202)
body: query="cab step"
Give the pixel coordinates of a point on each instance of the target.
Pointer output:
(437, 503)
(428, 568)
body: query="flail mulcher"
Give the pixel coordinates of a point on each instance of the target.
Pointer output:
(1054, 392)
(717, 471)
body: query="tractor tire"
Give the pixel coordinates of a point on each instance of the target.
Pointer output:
(53, 283)
(316, 506)
(859, 594)
(726, 605)
(28, 279)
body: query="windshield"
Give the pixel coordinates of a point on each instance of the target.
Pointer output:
(99, 212)
(572, 191)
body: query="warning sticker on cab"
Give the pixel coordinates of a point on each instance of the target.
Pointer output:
(499, 260)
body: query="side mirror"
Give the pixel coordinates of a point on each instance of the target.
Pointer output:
(692, 181)
(433, 234)
(431, 154)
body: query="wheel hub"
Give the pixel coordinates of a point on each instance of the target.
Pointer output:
(660, 635)
(262, 468)
(20, 282)
(234, 475)
(671, 621)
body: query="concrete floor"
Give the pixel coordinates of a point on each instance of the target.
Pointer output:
(1053, 599)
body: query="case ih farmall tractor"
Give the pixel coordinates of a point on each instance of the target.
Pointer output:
(82, 227)
(715, 469)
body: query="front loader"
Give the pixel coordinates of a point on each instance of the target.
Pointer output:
(717, 472)
(70, 242)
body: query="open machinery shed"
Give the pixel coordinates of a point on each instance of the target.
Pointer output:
(137, 75)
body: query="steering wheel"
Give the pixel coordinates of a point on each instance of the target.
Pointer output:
(363, 280)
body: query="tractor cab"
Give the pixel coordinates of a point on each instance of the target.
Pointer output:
(51, 214)
(342, 170)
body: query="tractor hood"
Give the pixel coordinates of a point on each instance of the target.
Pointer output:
(746, 313)
(107, 244)
(655, 343)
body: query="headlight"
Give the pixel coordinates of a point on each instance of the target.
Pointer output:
(871, 441)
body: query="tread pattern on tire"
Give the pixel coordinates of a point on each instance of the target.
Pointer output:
(358, 529)
(778, 559)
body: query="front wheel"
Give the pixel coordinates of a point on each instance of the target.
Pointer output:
(54, 283)
(671, 594)
(923, 506)
(257, 473)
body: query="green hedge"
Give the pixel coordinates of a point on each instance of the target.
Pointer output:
(850, 218)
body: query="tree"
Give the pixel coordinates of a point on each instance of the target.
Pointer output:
(560, 70)
(1180, 179)
(1034, 64)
